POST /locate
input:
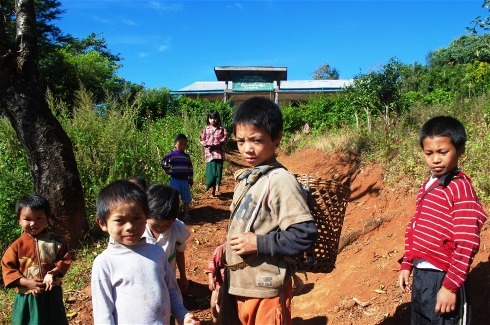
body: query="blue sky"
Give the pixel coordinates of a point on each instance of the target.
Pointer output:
(175, 43)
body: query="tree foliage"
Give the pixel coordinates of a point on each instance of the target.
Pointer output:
(68, 64)
(463, 50)
(47, 34)
(378, 93)
(85, 63)
(325, 72)
(480, 22)
(156, 103)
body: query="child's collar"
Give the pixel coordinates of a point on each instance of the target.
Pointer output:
(445, 179)
(252, 175)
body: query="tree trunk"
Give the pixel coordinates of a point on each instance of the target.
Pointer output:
(368, 117)
(49, 150)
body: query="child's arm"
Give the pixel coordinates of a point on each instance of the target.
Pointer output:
(50, 276)
(166, 164)
(191, 172)
(103, 303)
(296, 231)
(181, 236)
(12, 274)
(211, 284)
(294, 240)
(35, 286)
(446, 301)
(62, 264)
(176, 303)
(180, 261)
(215, 265)
(48, 281)
(63, 261)
(404, 281)
(224, 135)
(191, 319)
(203, 139)
(244, 243)
(221, 138)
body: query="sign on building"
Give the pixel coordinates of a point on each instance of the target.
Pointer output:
(250, 82)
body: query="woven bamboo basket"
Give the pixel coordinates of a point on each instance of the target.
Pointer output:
(327, 200)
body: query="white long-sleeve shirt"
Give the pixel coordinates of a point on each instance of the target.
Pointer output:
(134, 285)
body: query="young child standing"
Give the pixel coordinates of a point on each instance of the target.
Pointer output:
(165, 230)
(132, 282)
(213, 138)
(216, 272)
(34, 264)
(269, 222)
(177, 163)
(443, 236)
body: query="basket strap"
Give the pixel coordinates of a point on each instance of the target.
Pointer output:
(257, 207)
(251, 177)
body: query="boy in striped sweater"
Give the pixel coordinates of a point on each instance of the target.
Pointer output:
(443, 236)
(177, 163)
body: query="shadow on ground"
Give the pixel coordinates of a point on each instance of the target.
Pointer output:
(318, 320)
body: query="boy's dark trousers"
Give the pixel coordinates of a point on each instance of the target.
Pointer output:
(425, 286)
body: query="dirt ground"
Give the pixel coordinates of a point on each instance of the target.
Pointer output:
(362, 288)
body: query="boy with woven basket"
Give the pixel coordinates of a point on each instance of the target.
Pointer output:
(269, 222)
(443, 236)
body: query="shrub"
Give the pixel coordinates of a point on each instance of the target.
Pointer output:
(15, 182)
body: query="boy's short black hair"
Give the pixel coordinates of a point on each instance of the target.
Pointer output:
(215, 115)
(140, 181)
(262, 113)
(119, 191)
(33, 202)
(444, 126)
(180, 137)
(163, 202)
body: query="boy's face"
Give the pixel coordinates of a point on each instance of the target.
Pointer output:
(32, 221)
(255, 144)
(125, 223)
(440, 155)
(158, 227)
(181, 145)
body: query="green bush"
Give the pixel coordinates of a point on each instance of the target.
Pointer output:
(322, 113)
(14, 183)
(111, 143)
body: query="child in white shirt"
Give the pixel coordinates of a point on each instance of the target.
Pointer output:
(165, 230)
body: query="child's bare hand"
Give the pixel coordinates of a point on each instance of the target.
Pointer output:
(244, 243)
(191, 319)
(211, 284)
(404, 281)
(35, 286)
(446, 301)
(48, 281)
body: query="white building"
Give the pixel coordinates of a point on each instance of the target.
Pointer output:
(237, 84)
